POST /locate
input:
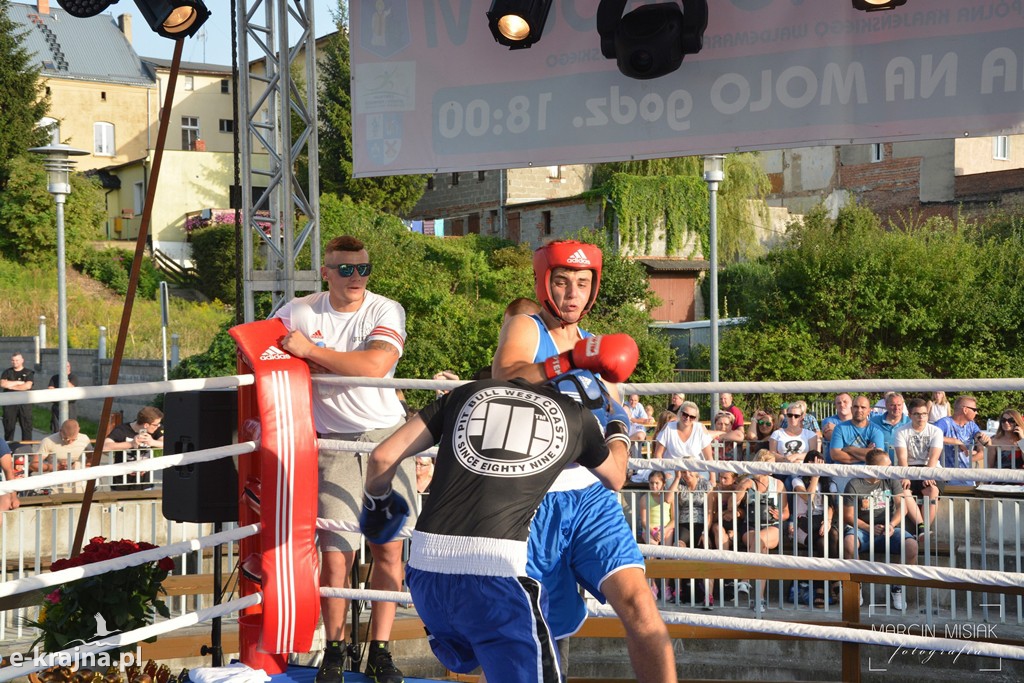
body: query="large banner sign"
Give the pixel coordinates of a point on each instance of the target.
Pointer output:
(432, 90)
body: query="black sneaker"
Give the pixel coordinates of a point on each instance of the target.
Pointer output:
(381, 667)
(331, 671)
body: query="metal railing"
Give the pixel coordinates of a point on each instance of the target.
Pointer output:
(968, 532)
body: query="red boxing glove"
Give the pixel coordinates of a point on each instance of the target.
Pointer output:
(613, 356)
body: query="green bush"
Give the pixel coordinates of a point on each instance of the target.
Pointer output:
(113, 267)
(213, 252)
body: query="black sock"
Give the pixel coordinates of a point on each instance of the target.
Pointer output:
(378, 645)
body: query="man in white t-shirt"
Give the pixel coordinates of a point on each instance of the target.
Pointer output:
(919, 444)
(62, 451)
(352, 332)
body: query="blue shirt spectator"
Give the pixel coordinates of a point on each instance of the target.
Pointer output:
(889, 421)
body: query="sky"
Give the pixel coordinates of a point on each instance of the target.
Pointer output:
(217, 45)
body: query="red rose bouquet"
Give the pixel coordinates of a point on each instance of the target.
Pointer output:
(98, 606)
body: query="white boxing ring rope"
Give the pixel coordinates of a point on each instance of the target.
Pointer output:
(783, 628)
(149, 465)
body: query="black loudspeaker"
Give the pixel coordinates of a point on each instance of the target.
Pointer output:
(195, 421)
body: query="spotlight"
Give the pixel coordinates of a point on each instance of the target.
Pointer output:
(174, 18)
(876, 5)
(517, 23)
(651, 40)
(85, 8)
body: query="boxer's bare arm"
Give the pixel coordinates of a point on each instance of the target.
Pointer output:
(516, 346)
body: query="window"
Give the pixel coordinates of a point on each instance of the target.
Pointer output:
(474, 223)
(545, 222)
(190, 83)
(1001, 149)
(430, 183)
(103, 139)
(455, 179)
(189, 132)
(877, 152)
(481, 176)
(225, 86)
(554, 172)
(138, 198)
(103, 95)
(227, 126)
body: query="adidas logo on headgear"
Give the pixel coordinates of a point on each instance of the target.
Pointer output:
(579, 258)
(274, 353)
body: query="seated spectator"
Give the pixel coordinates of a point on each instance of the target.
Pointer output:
(724, 514)
(61, 451)
(725, 433)
(854, 438)
(938, 407)
(964, 441)
(919, 444)
(873, 514)
(843, 403)
(656, 518)
(424, 473)
(1005, 448)
(790, 443)
(893, 418)
(810, 420)
(8, 501)
(812, 522)
(687, 438)
(135, 441)
(638, 418)
(759, 431)
(690, 508)
(675, 402)
(728, 405)
(764, 498)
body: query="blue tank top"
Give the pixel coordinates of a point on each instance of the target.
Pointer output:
(545, 344)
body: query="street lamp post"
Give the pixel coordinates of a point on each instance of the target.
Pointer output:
(714, 173)
(58, 166)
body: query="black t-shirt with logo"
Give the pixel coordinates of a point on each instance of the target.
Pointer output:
(12, 375)
(500, 447)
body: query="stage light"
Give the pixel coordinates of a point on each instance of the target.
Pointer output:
(877, 5)
(85, 8)
(518, 24)
(651, 40)
(174, 18)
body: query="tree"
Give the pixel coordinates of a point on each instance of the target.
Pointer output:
(391, 194)
(22, 101)
(670, 194)
(28, 214)
(849, 297)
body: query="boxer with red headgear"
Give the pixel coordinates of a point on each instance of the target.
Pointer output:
(579, 535)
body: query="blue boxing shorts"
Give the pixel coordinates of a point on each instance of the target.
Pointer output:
(578, 537)
(495, 622)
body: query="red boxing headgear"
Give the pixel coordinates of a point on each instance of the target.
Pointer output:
(564, 254)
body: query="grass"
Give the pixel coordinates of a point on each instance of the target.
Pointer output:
(29, 292)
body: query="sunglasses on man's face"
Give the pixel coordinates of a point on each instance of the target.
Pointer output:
(793, 416)
(346, 269)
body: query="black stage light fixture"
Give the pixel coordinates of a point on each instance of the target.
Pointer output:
(877, 5)
(174, 18)
(84, 8)
(651, 40)
(518, 24)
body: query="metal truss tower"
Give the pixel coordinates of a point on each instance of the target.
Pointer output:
(278, 120)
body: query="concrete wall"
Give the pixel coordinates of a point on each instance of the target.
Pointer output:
(91, 371)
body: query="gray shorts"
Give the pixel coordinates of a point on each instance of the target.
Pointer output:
(342, 476)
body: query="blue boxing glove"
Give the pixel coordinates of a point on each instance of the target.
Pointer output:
(614, 419)
(382, 517)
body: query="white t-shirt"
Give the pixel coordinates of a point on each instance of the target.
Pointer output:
(787, 444)
(918, 444)
(675, 447)
(347, 410)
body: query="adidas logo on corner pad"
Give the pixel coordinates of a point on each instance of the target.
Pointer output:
(578, 257)
(274, 353)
